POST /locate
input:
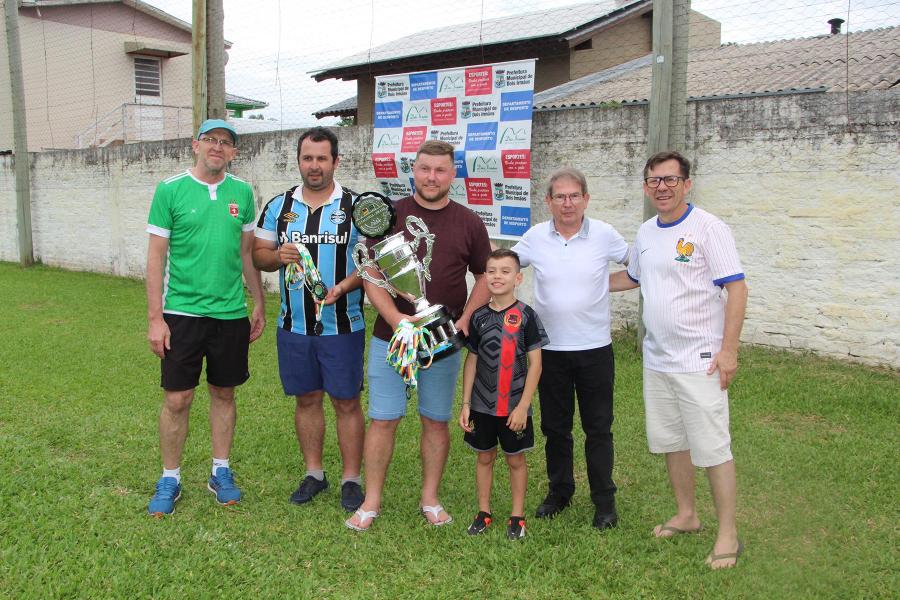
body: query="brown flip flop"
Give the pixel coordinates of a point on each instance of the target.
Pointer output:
(676, 531)
(735, 555)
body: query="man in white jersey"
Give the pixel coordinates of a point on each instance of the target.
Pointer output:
(201, 233)
(694, 293)
(570, 256)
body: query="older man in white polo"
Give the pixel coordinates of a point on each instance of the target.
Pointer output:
(570, 255)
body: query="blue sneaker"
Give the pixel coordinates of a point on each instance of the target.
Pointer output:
(222, 485)
(168, 491)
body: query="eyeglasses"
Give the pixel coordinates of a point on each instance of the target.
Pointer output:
(561, 198)
(217, 142)
(670, 181)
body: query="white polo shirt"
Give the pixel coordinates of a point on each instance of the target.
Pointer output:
(571, 281)
(681, 268)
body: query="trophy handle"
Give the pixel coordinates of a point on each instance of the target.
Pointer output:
(417, 227)
(362, 261)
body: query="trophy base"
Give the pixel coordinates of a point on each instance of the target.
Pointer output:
(447, 339)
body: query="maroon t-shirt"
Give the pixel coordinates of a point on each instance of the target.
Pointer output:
(461, 243)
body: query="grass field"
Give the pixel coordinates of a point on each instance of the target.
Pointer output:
(815, 443)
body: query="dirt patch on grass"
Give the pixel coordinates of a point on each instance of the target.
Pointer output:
(34, 305)
(800, 423)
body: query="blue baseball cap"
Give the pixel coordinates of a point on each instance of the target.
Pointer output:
(210, 124)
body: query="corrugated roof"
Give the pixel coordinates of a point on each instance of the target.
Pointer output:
(344, 108)
(788, 66)
(244, 101)
(559, 22)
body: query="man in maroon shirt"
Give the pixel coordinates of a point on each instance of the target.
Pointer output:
(461, 244)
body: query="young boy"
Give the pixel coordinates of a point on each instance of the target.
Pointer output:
(499, 378)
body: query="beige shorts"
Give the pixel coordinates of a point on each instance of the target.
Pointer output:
(687, 411)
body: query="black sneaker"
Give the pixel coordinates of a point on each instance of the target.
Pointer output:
(515, 528)
(481, 522)
(351, 496)
(309, 487)
(551, 506)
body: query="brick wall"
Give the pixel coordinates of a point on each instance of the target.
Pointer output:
(812, 202)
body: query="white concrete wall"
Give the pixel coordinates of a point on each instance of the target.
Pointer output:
(813, 204)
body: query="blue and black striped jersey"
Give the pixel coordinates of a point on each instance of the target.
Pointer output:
(329, 234)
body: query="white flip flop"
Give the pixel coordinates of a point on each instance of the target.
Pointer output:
(363, 515)
(436, 511)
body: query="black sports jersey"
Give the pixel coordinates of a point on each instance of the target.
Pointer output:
(502, 340)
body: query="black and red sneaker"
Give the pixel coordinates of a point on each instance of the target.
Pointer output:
(515, 528)
(481, 522)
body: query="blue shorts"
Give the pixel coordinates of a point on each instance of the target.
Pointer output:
(333, 363)
(387, 392)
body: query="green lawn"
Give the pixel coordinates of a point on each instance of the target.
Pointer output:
(815, 443)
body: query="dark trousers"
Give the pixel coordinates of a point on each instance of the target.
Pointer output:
(589, 375)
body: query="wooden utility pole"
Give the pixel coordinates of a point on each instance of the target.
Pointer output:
(215, 60)
(20, 134)
(668, 92)
(661, 83)
(198, 63)
(681, 31)
(208, 66)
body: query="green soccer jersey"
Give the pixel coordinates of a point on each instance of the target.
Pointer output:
(203, 224)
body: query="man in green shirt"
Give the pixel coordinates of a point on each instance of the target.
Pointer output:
(201, 235)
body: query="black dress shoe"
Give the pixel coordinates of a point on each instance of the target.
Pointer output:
(604, 520)
(551, 506)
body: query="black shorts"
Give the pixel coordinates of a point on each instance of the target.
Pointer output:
(488, 429)
(224, 343)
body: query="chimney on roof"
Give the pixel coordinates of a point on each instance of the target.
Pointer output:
(835, 25)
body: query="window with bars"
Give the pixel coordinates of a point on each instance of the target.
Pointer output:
(147, 76)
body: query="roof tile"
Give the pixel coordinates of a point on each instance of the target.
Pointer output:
(732, 69)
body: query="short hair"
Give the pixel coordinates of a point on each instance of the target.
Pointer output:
(567, 173)
(505, 253)
(319, 134)
(436, 148)
(661, 157)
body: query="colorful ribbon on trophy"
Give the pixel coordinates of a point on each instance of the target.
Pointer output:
(403, 350)
(304, 273)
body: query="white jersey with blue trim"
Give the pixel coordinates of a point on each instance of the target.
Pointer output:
(682, 268)
(329, 235)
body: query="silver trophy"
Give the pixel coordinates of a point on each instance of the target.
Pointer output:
(404, 276)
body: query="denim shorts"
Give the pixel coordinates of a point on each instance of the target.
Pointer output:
(387, 392)
(334, 363)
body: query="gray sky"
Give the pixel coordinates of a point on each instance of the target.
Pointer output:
(277, 42)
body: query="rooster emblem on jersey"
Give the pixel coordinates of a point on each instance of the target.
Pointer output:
(684, 250)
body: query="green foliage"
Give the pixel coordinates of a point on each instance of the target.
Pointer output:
(815, 443)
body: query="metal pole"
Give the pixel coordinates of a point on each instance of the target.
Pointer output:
(20, 134)
(215, 59)
(198, 63)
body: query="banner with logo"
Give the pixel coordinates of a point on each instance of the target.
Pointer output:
(485, 112)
